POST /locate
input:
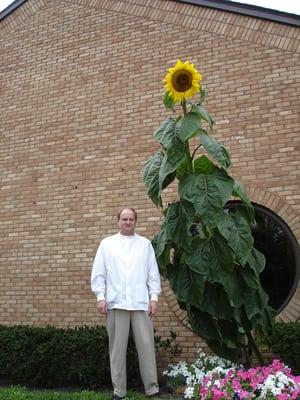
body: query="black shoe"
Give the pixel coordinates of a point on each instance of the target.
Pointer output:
(154, 395)
(116, 397)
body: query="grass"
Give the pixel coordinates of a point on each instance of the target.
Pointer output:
(21, 393)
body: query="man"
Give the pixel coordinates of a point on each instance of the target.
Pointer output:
(126, 281)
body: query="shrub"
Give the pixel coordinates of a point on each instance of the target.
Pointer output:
(285, 341)
(52, 357)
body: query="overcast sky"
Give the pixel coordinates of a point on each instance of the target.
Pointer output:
(291, 6)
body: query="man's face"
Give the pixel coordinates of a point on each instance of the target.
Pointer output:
(127, 222)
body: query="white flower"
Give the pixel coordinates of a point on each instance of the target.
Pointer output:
(189, 392)
(274, 384)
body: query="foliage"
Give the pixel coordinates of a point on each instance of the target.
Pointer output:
(20, 393)
(168, 344)
(285, 341)
(205, 250)
(212, 378)
(52, 357)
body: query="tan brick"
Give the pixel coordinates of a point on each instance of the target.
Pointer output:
(81, 90)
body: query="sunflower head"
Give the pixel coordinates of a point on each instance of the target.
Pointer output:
(182, 81)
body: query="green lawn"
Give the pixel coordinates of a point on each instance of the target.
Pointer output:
(20, 393)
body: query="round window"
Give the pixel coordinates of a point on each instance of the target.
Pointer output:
(273, 237)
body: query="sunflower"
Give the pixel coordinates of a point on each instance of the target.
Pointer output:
(182, 81)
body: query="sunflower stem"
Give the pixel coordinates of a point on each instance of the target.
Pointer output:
(184, 107)
(194, 152)
(253, 346)
(187, 146)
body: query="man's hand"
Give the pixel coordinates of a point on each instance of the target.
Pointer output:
(152, 308)
(102, 306)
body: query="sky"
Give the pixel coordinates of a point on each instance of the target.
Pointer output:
(291, 6)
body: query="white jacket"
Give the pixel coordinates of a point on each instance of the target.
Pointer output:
(125, 272)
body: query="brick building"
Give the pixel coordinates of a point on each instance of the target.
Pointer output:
(81, 94)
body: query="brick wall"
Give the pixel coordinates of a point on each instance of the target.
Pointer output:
(80, 98)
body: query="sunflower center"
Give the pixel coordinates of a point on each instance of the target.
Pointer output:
(182, 80)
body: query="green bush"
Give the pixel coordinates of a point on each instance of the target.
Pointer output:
(52, 357)
(285, 342)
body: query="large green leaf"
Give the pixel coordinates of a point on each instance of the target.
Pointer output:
(167, 126)
(239, 191)
(166, 175)
(203, 324)
(178, 223)
(160, 241)
(182, 169)
(162, 248)
(168, 135)
(150, 176)
(216, 302)
(203, 114)
(215, 149)
(256, 261)
(215, 335)
(213, 258)
(247, 296)
(189, 126)
(187, 285)
(157, 174)
(207, 192)
(236, 230)
(203, 166)
(245, 293)
(229, 352)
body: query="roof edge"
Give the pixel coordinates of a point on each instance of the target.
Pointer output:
(224, 5)
(248, 10)
(4, 13)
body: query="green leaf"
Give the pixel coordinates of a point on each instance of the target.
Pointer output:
(150, 176)
(189, 126)
(213, 258)
(203, 114)
(216, 302)
(182, 169)
(168, 101)
(178, 223)
(239, 191)
(166, 127)
(228, 352)
(167, 174)
(203, 166)
(236, 230)
(157, 174)
(203, 324)
(187, 285)
(160, 241)
(215, 149)
(168, 135)
(208, 193)
(162, 248)
(202, 94)
(256, 261)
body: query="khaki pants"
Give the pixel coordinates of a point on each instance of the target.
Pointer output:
(118, 324)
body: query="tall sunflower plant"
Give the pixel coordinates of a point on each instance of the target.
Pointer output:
(204, 248)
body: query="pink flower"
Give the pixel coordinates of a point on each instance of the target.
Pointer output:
(283, 396)
(297, 379)
(243, 394)
(236, 384)
(217, 394)
(203, 392)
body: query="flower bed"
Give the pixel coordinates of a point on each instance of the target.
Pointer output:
(213, 378)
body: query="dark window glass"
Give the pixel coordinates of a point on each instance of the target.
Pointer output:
(275, 240)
